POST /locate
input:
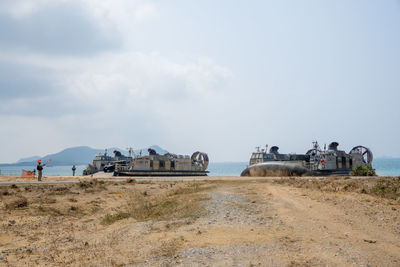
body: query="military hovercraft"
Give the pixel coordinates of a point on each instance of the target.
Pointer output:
(165, 165)
(314, 162)
(107, 163)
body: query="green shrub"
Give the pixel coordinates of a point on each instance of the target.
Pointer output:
(363, 171)
(111, 218)
(381, 187)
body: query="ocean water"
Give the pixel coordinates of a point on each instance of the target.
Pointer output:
(383, 167)
(226, 168)
(47, 171)
(387, 166)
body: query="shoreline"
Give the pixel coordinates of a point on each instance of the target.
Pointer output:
(110, 178)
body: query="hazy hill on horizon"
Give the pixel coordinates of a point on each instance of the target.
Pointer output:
(80, 155)
(29, 159)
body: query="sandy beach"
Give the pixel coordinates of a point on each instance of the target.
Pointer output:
(221, 221)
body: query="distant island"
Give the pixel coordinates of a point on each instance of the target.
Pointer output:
(80, 155)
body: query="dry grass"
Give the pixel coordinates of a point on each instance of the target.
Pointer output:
(53, 212)
(386, 187)
(243, 181)
(169, 248)
(149, 224)
(94, 186)
(16, 203)
(183, 202)
(59, 190)
(111, 218)
(45, 210)
(190, 188)
(50, 200)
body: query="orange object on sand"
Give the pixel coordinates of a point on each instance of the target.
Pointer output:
(27, 174)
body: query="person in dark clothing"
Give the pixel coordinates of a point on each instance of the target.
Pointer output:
(73, 170)
(152, 151)
(39, 167)
(117, 153)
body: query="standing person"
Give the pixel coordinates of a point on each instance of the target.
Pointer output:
(73, 170)
(39, 167)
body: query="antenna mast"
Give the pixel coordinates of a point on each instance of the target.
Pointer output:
(130, 150)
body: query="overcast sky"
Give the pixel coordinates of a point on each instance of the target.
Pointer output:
(217, 76)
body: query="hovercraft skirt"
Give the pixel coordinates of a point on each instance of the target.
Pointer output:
(160, 173)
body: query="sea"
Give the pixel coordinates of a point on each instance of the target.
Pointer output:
(382, 166)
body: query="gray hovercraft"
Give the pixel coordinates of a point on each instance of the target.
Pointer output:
(314, 162)
(151, 164)
(164, 165)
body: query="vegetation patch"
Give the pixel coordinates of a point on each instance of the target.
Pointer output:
(190, 188)
(363, 171)
(56, 190)
(184, 202)
(47, 200)
(170, 248)
(145, 182)
(92, 186)
(86, 184)
(386, 187)
(16, 203)
(166, 207)
(4, 192)
(49, 211)
(112, 218)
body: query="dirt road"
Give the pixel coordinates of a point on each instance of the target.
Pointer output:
(252, 222)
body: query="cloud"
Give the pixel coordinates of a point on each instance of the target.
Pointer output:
(20, 9)
(68, 67)
(61, 29)
(81, 27)
(124, 79)
(109, 15)
(67, 57)
(114, 98)
(21, 82)
(146, 12)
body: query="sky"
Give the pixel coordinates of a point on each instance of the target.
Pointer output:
(216, 76)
